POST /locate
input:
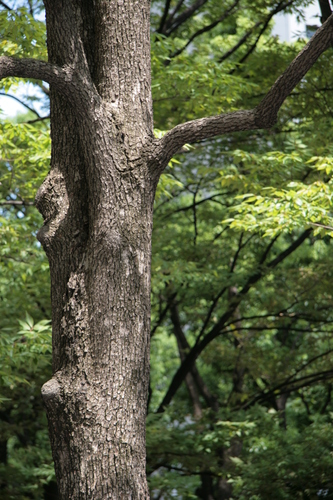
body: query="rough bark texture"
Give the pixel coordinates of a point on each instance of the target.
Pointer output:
(97, 202)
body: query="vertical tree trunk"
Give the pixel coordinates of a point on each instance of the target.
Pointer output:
(97, 203)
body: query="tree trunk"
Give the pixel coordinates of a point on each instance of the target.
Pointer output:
(97, 203)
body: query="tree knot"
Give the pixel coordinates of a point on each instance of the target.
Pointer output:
(51, 392)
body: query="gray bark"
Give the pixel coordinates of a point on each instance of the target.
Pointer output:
(97, 202)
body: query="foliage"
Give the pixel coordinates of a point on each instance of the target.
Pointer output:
(241, 247)
(25, 346)
(25, 358)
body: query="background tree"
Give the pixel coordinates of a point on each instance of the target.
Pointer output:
(250, 249)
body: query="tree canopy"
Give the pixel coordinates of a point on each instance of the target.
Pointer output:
(241, 269)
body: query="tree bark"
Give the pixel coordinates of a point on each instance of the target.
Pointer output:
(97, 204)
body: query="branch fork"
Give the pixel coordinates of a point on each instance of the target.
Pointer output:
(79, 88)
(65, 79)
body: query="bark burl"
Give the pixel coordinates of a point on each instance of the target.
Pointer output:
(97, 202)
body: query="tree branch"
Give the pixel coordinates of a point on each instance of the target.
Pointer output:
(74, 85)
(17, 203)
(203, 128)
(268, 249)
(31, 11)
(290, 385)
(263, 116)
(5, 5)
(165, 15)
(162, 315)
(205, 29)
(279, 8)
(279, 258)
(218, 328)
(330, 228)
(266, 112)
(33, 68)
(175, 10)
(183, 348)
(239, 43)
(40, 119)
(21, 102)
(182, 345)
(183, 17)
(196, 204)
(325, 9)
(328, 399)
(219, 295)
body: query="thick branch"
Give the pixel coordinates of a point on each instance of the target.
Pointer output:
(264, 116)
(72, 85)
(33, 68)
(267, 110)
(204, 128)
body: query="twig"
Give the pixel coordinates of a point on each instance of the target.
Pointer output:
(17, 203)
(21, 102)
